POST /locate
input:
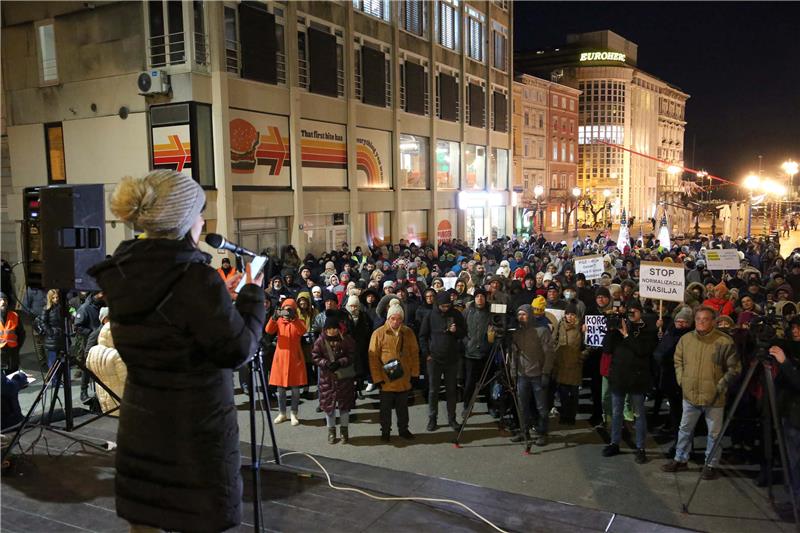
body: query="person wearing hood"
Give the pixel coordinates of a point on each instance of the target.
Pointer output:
(12, 336)
(440, 344)
(369, 300)
(568, 367)
(664, 359)
(332, 353)
(277, 291)
(179, 363)
(504, 269)
(360, 332)
(719, 303)
(394, 344)
(695, 294)
(527, 293)
(532, 359)
(288, 364)
(316, 299)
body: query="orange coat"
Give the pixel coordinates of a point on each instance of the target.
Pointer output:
(385, 346)
(288, 365)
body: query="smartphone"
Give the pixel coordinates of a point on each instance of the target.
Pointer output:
(617, 304)
(256, 267)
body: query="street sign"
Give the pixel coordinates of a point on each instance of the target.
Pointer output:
(590, 266)
(727, 259)
(662, 281)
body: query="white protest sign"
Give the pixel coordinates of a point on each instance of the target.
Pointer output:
(590, 266)
(662, 281)
(449, 283)
(557, 313)
(723, 259)
(595, 330)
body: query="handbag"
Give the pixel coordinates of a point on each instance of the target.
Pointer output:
(344, 372)
(394, 369)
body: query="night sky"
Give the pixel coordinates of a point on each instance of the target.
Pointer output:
(739, 61)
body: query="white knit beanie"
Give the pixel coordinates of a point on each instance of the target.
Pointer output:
(352, 300)
(395, 308)
(164, 203)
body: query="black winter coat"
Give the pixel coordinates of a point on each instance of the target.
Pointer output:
(436, 341)
(631, 359)
(53, 322)
(176, 329)
(361, 332)
(665, 357)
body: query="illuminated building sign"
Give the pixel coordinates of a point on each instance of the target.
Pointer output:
(602, 56)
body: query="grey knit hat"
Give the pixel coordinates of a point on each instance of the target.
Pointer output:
(164, 203)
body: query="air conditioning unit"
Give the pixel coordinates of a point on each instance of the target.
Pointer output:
(153, 82)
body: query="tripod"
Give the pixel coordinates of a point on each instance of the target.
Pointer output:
(256, 376)
(766, 365)
(497, 353)
(60, 375)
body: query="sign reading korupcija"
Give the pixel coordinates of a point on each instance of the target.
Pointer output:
(602, 56)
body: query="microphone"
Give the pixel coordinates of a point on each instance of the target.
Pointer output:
(219, 242)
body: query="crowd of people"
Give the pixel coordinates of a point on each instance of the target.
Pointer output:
(402, 316)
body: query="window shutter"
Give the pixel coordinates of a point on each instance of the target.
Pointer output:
(373, 76)
(476, 105)
(448, 97)
(322, 59)
(258, 43)
(415, 88)
(500, 111)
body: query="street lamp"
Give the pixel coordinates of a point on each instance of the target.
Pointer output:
(790, 168)
(606, 194)
(751, 183)
(537, 193)
(576, 193)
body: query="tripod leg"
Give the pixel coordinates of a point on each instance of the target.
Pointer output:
(67, 379)
(39, 397)
(773, 407)
(478, 387)
(718, 442)
(255, 465)
(517, 406)
(266, 404)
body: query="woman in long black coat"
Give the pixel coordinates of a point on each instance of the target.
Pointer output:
(176, 328)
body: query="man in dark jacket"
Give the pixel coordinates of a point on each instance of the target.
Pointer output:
(532, 360)
(87, 320)
(477, 344)
(630, 374)
(664, 357)
(528, 292)
(591, 367)
(32, 307)
(440, 343)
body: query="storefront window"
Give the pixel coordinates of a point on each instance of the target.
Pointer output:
(475, 163)
(377, 228)
(260, 234)
(326, 232)
(447, 164)
(497, 217)
(413, 161)
(473, 224)
(414, 226)
(498, 169)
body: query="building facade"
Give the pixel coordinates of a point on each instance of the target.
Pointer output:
(619, 106)
(310, 123)
(545, 152)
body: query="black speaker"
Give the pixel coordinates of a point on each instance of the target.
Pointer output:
(72, 225)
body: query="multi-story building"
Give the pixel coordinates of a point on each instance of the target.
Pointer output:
(311, 123)
(545, 151)
(621, 110)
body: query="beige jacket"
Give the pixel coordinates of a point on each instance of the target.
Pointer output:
(104, 360)
(705, 366)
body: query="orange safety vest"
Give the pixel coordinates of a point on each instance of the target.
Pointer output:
(229, 276)
(8, 331)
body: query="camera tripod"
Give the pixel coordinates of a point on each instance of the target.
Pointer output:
(498, 354)
(257, 376)
(59, 376)
(766, 365)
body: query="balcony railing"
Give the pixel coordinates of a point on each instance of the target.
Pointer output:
(166, 50)
(233, 61)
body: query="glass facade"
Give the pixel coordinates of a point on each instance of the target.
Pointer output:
(498, 169)
(448, 164)
(413, 161)
(601, 115)
(475, 167)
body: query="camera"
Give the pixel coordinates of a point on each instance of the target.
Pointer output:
(763, 332)
(498, 319)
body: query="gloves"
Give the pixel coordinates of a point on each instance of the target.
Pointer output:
(334, 366)
(276, 315)
(545, 380)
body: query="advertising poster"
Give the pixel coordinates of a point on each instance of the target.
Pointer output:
(323, 149)
(377, 228)
(447, 228)
(259, 149)
(374, 158)
(172, 148)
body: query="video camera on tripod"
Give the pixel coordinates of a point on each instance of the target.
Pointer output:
(498, 321)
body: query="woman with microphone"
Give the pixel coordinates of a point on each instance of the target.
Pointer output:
(180, 336)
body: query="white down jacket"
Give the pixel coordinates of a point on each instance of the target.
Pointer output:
(104, 360)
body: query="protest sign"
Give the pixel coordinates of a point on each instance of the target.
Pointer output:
(557, 313)
(595, 330)
(662, 281)
(723, 259)
(449, 283)
(590, 266)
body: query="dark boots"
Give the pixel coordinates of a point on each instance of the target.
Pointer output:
(345, 435)
(331, 435)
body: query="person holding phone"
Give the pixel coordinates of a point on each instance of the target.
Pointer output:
(180, 336)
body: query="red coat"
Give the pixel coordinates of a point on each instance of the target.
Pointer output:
(720, 305)
(288, 364)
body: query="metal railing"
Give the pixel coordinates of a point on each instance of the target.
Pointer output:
(233, 57)
(166, 50)
(49, 69)
(280, 59)
(201, 52)
(302, 73)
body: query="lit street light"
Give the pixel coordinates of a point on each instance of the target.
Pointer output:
(751, 183)
(537, 193)
(576, 193)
